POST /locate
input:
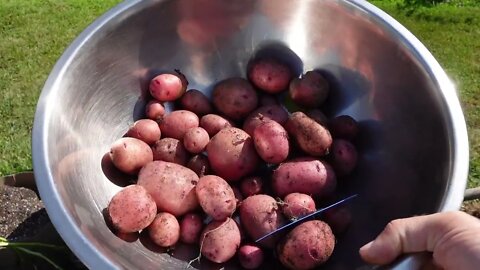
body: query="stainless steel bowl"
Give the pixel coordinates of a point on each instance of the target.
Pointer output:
(413, 143)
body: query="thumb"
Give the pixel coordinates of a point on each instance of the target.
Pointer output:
(403, 236)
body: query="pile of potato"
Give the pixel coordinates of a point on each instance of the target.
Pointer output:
(222, 172)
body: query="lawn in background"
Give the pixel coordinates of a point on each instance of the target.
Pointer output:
(33, 34)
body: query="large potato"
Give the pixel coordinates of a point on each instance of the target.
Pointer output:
(132, 209)
(261, 215)
(176, 124)
(304, 175)
(216, 197)
(271, 142)
(129, 155)
(170, 150)
(270, 112)
(235, 98)
(213, 123)
(310, 136)
(232, 154)
(220, 240)
(307, 246)
(172, 186)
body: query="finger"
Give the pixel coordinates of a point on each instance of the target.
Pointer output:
(402, 236)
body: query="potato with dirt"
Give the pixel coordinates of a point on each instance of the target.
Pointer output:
(196, 102)
(250, 256)
(235, 98)
(220, 240)
(154, 110)
(191, 226)
(146, 130)
(304, 175)
(132, 209)
(199, 164)
(164, 230)
(232, 154)
(216, 197)
(296, 205)
(261, 215)
(307, 246)
(168, 86)
(343, 157)
(177, 123)
(251, 185)
(309, 91)
(269, 74)
(172, 186)
(129, 155)
(271, 142)
(343, 127)
(170, 150)
(262, 114)
(213, 123)
(311, 137)
(195, 140)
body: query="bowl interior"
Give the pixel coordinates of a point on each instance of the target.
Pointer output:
(405, 149)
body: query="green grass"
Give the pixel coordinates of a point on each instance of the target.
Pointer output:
(33, 34)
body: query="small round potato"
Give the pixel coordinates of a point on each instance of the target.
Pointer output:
(344, 157)
(216, 197)
(195, 140)
(164, 230)
(132, 209)
(271, 142)
(191, 226)
(195, 101)
(269, 75)
(129, 155)
(170, 150)
(146, 130)
(154, 110)
(168, 87)
(297, 205)
(338, 218)
(213, 123)
(220, 240)
(235, 98)
(199, 164)
(343, 127)
(310, 91)
(250, 256)
(176, 124)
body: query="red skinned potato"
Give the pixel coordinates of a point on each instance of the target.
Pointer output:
(270, 112)
(129, 155)
(271, 142)
(297, 205)
(216, 197)
(170, 150)
(251, 186)
(195, 140)
(176, 124)
(168, 86)
(220, 240)
(213, 123)
(318, 116)
(343, 127)
(132, 209)
(231, 154)
(191, 226)
(146, 130)
(164, 230)
(269, 75)
(199, 164)
(338, 218)
(307, 246)
(154, 110)
(304, 175)
(196, 102)
(261, 215)
(234, 98)
(250, 256)
(310, 136)
(343, 157)
(172, 186)
(310, 91)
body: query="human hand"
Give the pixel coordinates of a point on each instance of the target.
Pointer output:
(452, 237)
